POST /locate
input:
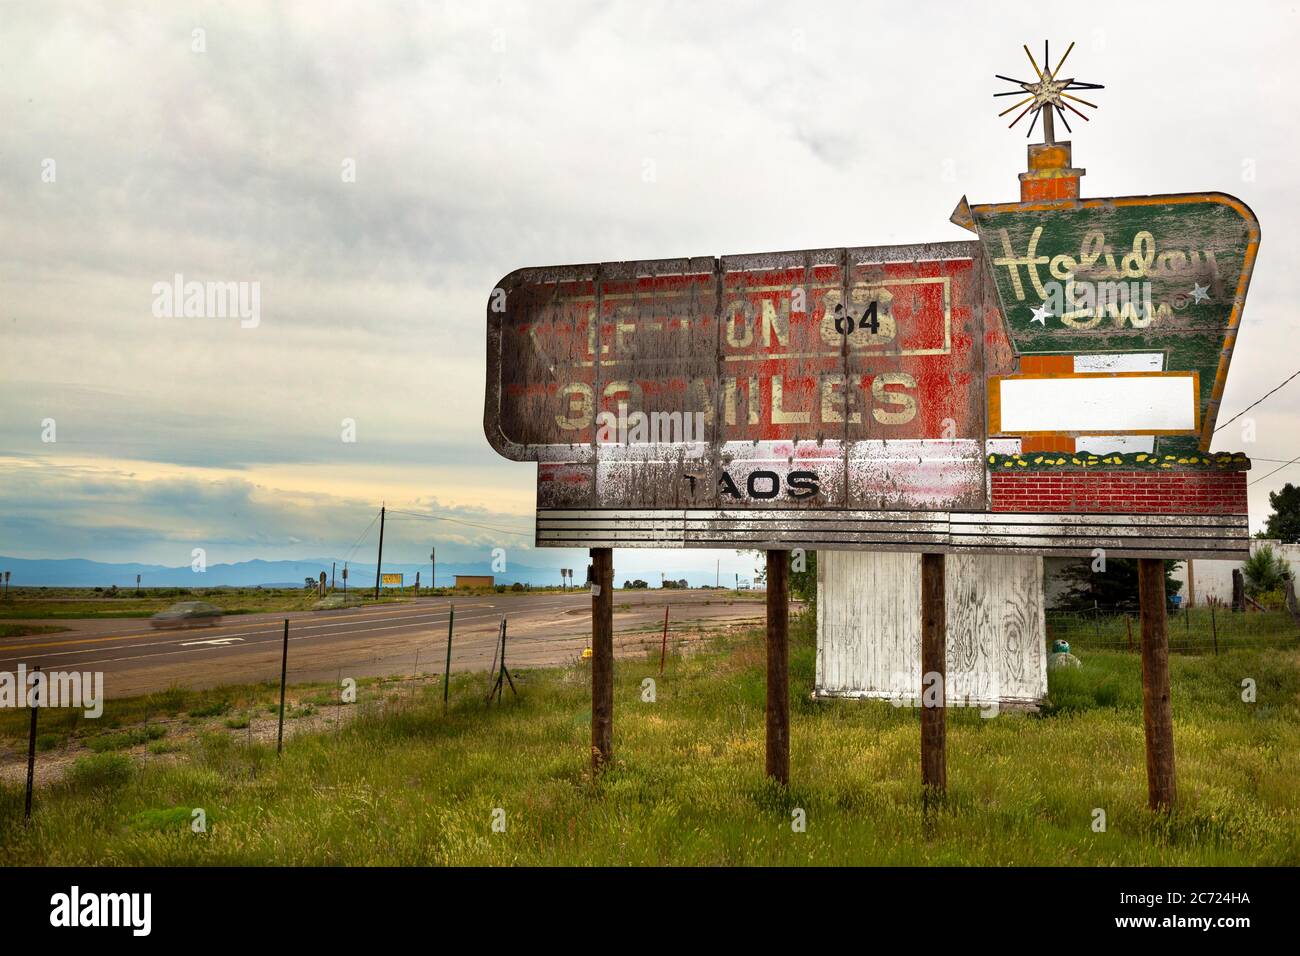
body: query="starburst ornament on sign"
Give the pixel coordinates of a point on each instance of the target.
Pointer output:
(1047, 96)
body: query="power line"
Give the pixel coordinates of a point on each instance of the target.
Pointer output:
(348, 555)
(1254, 403)
(1274, 471)
(470, 524)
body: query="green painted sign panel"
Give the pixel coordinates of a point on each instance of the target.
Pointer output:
(1160, 277)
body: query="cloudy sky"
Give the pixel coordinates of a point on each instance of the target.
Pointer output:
(377, 168)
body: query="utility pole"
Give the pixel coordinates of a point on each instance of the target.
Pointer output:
(333, 567)
(433, 567)
(379, 561)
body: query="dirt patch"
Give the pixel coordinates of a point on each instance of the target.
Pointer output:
(183, 732)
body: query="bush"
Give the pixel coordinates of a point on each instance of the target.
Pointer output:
(1265, 571)
(127, 738)
(101, 770)
(1274, 600)
(171, 818)
(214, 709)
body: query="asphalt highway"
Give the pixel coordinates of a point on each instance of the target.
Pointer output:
(542, 630)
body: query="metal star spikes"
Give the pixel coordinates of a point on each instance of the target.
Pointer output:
(1047, 95)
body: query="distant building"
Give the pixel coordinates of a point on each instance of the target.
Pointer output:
(466, 581)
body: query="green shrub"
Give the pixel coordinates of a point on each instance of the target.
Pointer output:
(212, 709)
(1265, 571)
(171, 818)
(126, 738)
(101, 770)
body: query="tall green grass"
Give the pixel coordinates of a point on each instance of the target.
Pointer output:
(408, 785)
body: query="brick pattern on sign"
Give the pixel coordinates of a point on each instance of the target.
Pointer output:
(1121, 492)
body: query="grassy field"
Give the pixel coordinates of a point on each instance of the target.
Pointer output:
(26, 630)
(403, 784)
(64, 603)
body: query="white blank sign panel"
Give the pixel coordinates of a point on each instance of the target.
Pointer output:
(1131, 404)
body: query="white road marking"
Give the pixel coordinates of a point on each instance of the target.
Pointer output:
(216, 641)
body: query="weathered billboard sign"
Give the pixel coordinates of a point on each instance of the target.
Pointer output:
(946, 397)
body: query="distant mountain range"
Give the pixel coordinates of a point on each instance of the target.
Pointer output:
(81, 573)
(78, 572)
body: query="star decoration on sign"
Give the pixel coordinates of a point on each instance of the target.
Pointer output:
(1041, 315)
(1047, 95)
(1200, 292)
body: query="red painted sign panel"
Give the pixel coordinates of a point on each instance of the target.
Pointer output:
(749, 380)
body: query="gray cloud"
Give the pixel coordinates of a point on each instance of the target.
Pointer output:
(492, 136)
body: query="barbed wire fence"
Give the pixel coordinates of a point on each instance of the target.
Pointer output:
(1209, 629)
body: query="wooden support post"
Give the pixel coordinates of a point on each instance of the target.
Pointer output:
(1157, 712)
(934, 629)
(602, 657)
(778, 666)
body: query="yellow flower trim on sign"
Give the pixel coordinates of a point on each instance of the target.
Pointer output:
(1235, 461)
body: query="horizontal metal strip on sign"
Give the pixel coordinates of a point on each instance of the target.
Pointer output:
(1095, 541)
(806, 515)
(609, 514)
(604, 534)
(633, 525)
(1093, 531)
(1143, 535)
(796, 534)
(1134, 550)
(1095, 518)
(822, 527)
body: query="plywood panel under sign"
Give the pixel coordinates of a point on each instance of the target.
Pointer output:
(869, 619)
